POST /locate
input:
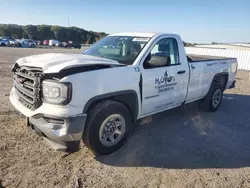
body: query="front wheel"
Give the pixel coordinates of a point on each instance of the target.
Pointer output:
(107, 127)
(213, 99)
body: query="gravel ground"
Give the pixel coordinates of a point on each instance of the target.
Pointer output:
(183, 147)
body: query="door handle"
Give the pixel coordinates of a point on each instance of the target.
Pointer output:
(181, 72)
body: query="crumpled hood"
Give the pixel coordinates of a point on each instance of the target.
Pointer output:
(54, 62)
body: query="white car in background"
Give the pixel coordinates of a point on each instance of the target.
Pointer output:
(12, 41)
(54, 42)
(28, 43)
(4, 42)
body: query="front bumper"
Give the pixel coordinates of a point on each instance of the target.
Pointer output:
(60, 126)
(62, 134)
(233, 85)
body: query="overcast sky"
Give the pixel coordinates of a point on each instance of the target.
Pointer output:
(194, 20)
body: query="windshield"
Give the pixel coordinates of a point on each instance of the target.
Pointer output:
(123, 49)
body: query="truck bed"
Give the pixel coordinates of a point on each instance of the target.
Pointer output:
(192, 58)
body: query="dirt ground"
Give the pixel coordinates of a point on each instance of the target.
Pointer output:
(183, 147)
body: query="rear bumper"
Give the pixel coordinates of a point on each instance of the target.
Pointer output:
(61, 134)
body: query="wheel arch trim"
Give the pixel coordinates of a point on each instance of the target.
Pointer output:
(216, 79)
(127, 97)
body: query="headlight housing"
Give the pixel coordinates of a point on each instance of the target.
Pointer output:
(56, 93)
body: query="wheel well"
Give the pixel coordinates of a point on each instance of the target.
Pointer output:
(222, 79)
(129, 99)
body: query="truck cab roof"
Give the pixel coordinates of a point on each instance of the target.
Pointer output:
(137, 34)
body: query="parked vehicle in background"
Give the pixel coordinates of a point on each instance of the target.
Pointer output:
(12, 41)
(8, 38)
(62, 44)
(53, 42)
(74, 44)
(4, 42)
(38, 42)
(28, 43)
(19, 42)
(98, 95)
(46, 42)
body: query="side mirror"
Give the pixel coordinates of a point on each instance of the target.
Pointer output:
(146, 64)
(148, 58)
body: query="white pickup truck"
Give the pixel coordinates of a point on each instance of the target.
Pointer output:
(98, 95)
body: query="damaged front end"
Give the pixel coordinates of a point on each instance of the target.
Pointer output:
(44, 100)
(27, 83)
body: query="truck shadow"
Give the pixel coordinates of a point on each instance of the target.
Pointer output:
(186, 137)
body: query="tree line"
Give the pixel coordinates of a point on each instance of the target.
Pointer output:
(47, 32)
(186, 44)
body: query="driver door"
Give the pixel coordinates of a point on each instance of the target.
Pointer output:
(165, 78)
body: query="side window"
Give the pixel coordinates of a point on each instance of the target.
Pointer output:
(164, 53)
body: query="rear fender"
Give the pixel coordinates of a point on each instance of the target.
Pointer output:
(221, 78)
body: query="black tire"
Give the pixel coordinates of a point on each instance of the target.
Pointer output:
(33, 46)
(96, 116)
(208, 103)
(3, 44)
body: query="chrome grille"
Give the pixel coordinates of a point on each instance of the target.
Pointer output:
(28, 85)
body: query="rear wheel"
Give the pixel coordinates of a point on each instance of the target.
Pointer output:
(3, 44)
(107, 127)
(213, 99)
